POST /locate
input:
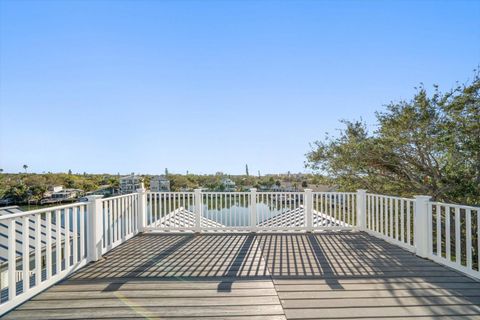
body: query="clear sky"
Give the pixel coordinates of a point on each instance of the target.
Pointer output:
(206, 86)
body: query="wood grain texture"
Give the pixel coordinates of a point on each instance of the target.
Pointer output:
(331, 275)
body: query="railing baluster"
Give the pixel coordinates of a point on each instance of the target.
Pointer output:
(38, 249)
(478, 239)
(468, 247)
(150, 208)
(48, 243)
(409, 225)
(369, 210)
(391, 217)
(67, 238)
(82, 232)
(109, 222)
(402, 219)
(396, 219)
(75, 235)
(12, 259)
(58, 242)
(154, 207)
(130, 215)
(447, 233)
(116, 217)
(439, 231)
(25, 253)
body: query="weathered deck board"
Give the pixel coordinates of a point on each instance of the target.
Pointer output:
(342, 275)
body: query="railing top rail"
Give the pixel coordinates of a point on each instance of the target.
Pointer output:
(333, 192)
(170, 192)
(120, 196)
(244, 192)
(225, 192)
(453, 205)
(387, 196)
(280, 192)
(39, 211)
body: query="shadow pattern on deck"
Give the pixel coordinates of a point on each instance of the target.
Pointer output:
(332, 275)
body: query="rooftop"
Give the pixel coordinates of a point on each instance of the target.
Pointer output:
(244, 255)
(330, 275)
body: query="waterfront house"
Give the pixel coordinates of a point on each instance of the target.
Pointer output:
(159, 184)
(228, 185)
(104, 190)
(62, 195)
(130, 183)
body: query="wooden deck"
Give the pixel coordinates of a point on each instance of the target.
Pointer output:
(343, 275)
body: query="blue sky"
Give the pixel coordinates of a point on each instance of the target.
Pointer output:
(206, 86)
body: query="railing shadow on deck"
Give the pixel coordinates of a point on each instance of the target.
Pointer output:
(333, 257)
(150, 262)
(240, 259)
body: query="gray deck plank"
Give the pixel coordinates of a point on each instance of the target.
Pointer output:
(335, 294)
(92, 302)
(383, 312)
(147, 294)
(132, 310)
(385, 302)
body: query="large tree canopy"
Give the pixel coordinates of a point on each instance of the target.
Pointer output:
(428, 145)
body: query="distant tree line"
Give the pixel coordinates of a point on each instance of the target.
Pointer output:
(26, 187)
(30, 187)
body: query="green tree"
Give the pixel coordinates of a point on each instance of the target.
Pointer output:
(25, 167)
(427, 145)
(246, 170)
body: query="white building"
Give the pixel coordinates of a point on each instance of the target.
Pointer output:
(51, 190)
(130, 183)
(104, 190)
(66, 194)
(159, 184)
(61, 195)
(228, 184)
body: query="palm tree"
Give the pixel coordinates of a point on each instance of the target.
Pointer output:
(25, 167)
(1, 170)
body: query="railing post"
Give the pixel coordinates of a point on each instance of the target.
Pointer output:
(253, 210)
(421, 229)
(361, 209)
(94, 227)
(142, 208)
(308, 209)
(198, 209)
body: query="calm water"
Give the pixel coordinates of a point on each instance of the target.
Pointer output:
(239, 215)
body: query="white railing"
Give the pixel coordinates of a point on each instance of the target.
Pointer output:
(120, 220)
(445, 233)
(221, 211)
(250, 211)
(391, 218)
(46, 245)
(454, 237)
(170, 210)
(337, 210)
